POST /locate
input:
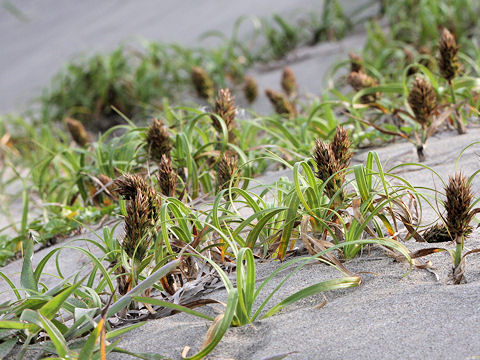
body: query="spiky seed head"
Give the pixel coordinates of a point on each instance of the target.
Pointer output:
(340, 146)
(158, 140)
(457, 204)
(225, 108)
(436, 233)
(280, 103)
(359, 81)
(137, 227)
(325, 160)
(331, 159)
(167, 178)
(289, 83)
(77, 131)
(202, 82)
(227, 172)
(423, 101)
(143, 209)
(129, 185)
(448, 61)
(250, 89)
(356, 62)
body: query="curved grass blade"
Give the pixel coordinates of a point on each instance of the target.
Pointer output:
(27, 277)
(220, 327)
(341, 283)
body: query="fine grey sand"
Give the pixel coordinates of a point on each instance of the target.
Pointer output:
(53, 32)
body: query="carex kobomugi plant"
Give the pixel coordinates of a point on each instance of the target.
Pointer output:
(356, 63)
(289, 82)
(460, 210)
(448, 61)
(359, 80)
(449, 67)
(225, 109)
(78, 132)
(250, 89)
(423, 102)
(458, 202)
(202, 83)
(142, 214)
(227, 172)
(158, 140)
(167, 177)
(280, 103)
(331, 160)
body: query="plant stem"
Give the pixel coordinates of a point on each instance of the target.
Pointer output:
(458, 254)
(458, 121)
(421, 153)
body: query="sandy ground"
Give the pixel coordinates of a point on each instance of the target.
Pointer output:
(53, 32)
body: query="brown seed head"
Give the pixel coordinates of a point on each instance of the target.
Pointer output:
(448, 61)
(359, 81)
(77, 131)
(167, 178)
(128, 185)
(356, 62)
(158, 140)
(202, 83)
(280, 103)
(143, 209)
(325, 160)
(457, 204)
(289, 83)
(340, 146)
(225, 108)
(436, 233)
(423, 101)
(227, 172)
(137, 227)
(250, 89)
